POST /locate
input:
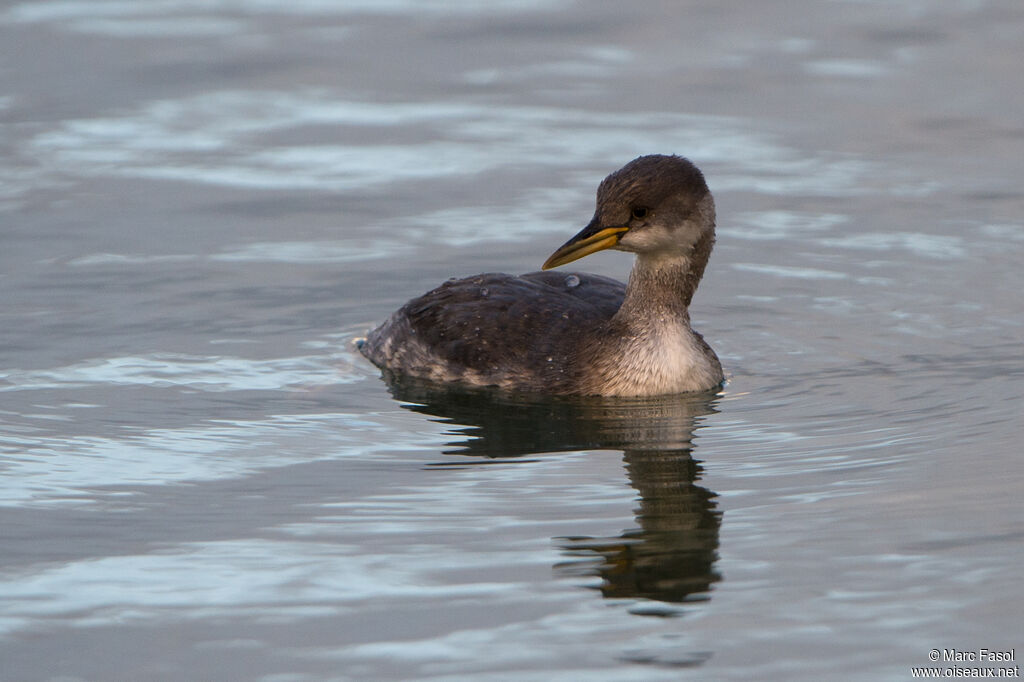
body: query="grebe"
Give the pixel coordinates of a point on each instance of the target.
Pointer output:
(578, 334)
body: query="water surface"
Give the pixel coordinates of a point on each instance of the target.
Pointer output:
(203, 206)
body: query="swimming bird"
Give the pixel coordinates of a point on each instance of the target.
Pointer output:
(578, 334)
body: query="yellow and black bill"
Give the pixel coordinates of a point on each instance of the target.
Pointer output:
(594, 237)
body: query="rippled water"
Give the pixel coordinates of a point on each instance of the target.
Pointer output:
(202, 206)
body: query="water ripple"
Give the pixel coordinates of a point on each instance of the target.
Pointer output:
(68, 470)
(124, 18)
(204, 373)
(212, 139)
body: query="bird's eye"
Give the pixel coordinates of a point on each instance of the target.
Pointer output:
(639, 212)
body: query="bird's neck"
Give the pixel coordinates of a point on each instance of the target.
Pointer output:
(662, 286)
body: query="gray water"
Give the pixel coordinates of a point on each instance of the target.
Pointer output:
(203, 205)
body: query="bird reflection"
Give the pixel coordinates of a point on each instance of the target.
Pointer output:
(670, 557)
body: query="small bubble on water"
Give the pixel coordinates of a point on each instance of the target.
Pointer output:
(572, 281)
